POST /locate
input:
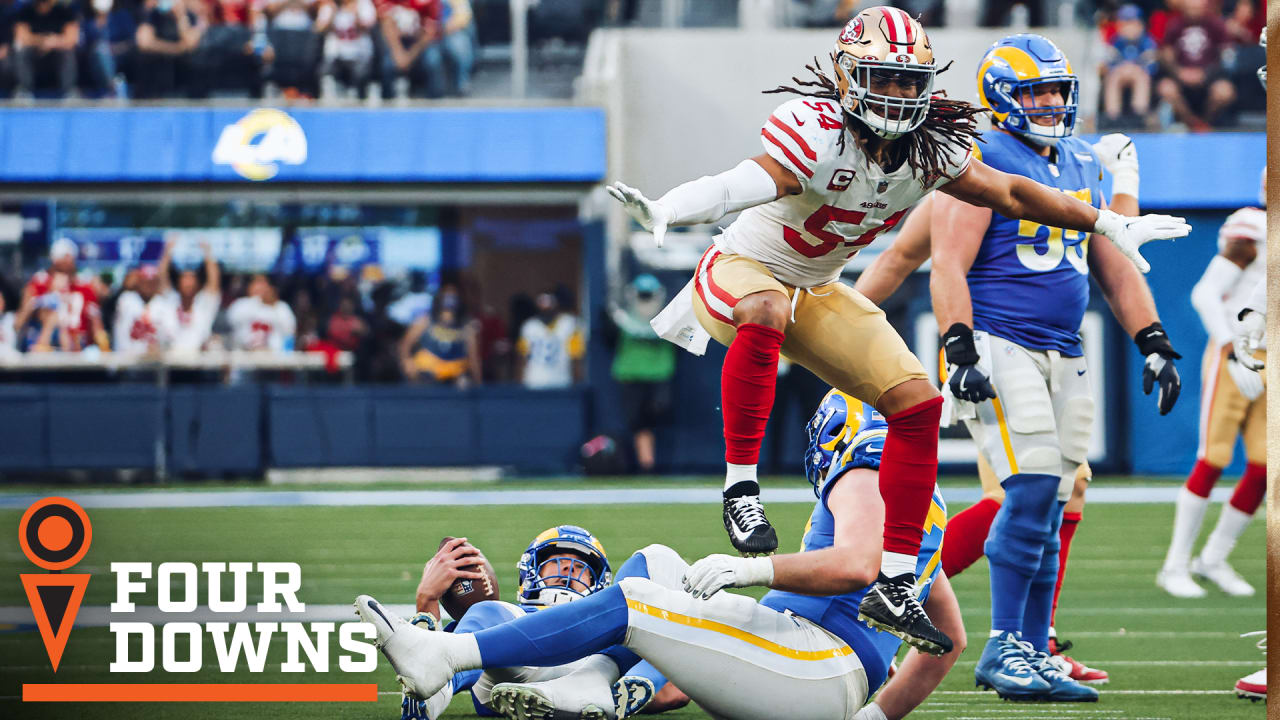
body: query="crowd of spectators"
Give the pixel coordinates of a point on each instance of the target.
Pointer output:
(1185, 62)
(149, 49)
(396, 331)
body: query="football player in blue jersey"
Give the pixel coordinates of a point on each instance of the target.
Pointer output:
(800, 653)
(1011, 295)
(562, 564)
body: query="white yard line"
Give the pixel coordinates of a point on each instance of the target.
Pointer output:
(132, 499)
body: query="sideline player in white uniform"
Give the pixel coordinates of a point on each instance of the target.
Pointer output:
(800, 653)
(842, 164)
(1233, 405)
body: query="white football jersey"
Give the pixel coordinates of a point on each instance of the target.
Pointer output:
(805, 240)
(140, 324)
(256, 325)
(194, 326)
(549, 351)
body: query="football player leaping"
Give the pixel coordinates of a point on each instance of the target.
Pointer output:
(800, 653)
(1011, 295)
(1232, 405)
(562, 564)
(842, 164)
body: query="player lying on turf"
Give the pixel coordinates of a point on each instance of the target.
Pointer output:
(562, 564)
(1012, 295)
(799, 653)
(842, 164)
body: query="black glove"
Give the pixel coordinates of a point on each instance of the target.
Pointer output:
(1154, 345)
(966, 381)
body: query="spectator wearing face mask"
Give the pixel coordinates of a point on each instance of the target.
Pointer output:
(643, 365)
(45, 36)
(441, 346)
(551, 347)
(107, 38)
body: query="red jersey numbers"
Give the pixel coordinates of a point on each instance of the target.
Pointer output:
(826, 122)
(816, 226)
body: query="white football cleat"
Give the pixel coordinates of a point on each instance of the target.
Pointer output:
(1178, 583)
(1253, 686)
(419, 657)
(554, 700)
(1222, 575)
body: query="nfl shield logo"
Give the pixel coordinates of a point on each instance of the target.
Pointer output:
(884, 185)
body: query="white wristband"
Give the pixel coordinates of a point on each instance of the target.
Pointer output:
(870, 711)
(1125, 182)
(758, 571)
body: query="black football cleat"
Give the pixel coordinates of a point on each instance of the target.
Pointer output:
(749, 530)
(891, 605)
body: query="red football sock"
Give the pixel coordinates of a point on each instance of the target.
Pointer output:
(1203, 477)
(1251, 489)
(966, 534)
(1069, 522)
(908, 472)
(747, 385)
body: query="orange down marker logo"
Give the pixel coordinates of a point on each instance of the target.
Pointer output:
(54, 534)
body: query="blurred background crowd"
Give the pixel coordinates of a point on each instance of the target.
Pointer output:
(1169, 63)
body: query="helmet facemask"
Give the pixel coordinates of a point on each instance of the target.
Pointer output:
(1022, 120)
(570, 575)
(889, 114)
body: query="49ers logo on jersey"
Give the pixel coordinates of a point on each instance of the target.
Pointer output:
(841, 179)
(852, 31)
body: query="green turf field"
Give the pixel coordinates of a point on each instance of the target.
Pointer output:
(1168, 659)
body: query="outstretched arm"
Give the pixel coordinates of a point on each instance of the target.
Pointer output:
(1020, 197)
(907, 253)
(709, 198)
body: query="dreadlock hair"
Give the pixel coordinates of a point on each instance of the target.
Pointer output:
(948, 122)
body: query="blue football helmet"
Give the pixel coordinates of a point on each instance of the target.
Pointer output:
(828, 426)
(558, 587)
(1011, 73)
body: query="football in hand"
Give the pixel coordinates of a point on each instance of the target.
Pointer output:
(466, 592)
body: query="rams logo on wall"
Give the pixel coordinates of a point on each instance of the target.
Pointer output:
(257, 143)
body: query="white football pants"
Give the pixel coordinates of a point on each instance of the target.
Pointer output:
(1042, 417)
(735, 657)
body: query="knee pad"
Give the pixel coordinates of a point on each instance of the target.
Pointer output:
(1038, 455)
(641, 589)
(1023, 526)
(1076, 428)
(662, 565)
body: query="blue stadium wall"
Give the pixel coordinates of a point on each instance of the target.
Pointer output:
(246, 429)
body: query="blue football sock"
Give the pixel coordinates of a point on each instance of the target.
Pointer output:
(1035, 621)
(559, 634)
(1016, 544)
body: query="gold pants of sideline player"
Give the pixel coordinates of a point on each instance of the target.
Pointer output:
(1225, 413)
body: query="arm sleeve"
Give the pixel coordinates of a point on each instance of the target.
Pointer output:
(711, 197)
(1207, 296)
(1258, 298)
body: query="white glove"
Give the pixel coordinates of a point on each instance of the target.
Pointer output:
(713, 573)
(1249, 381)
(1252, 325)
(651, 214)
(870, 711)
(1130, 233)
(1120, 158)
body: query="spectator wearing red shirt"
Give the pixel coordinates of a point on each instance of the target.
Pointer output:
(1191, 57)
(64, 306)
(409, 28)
